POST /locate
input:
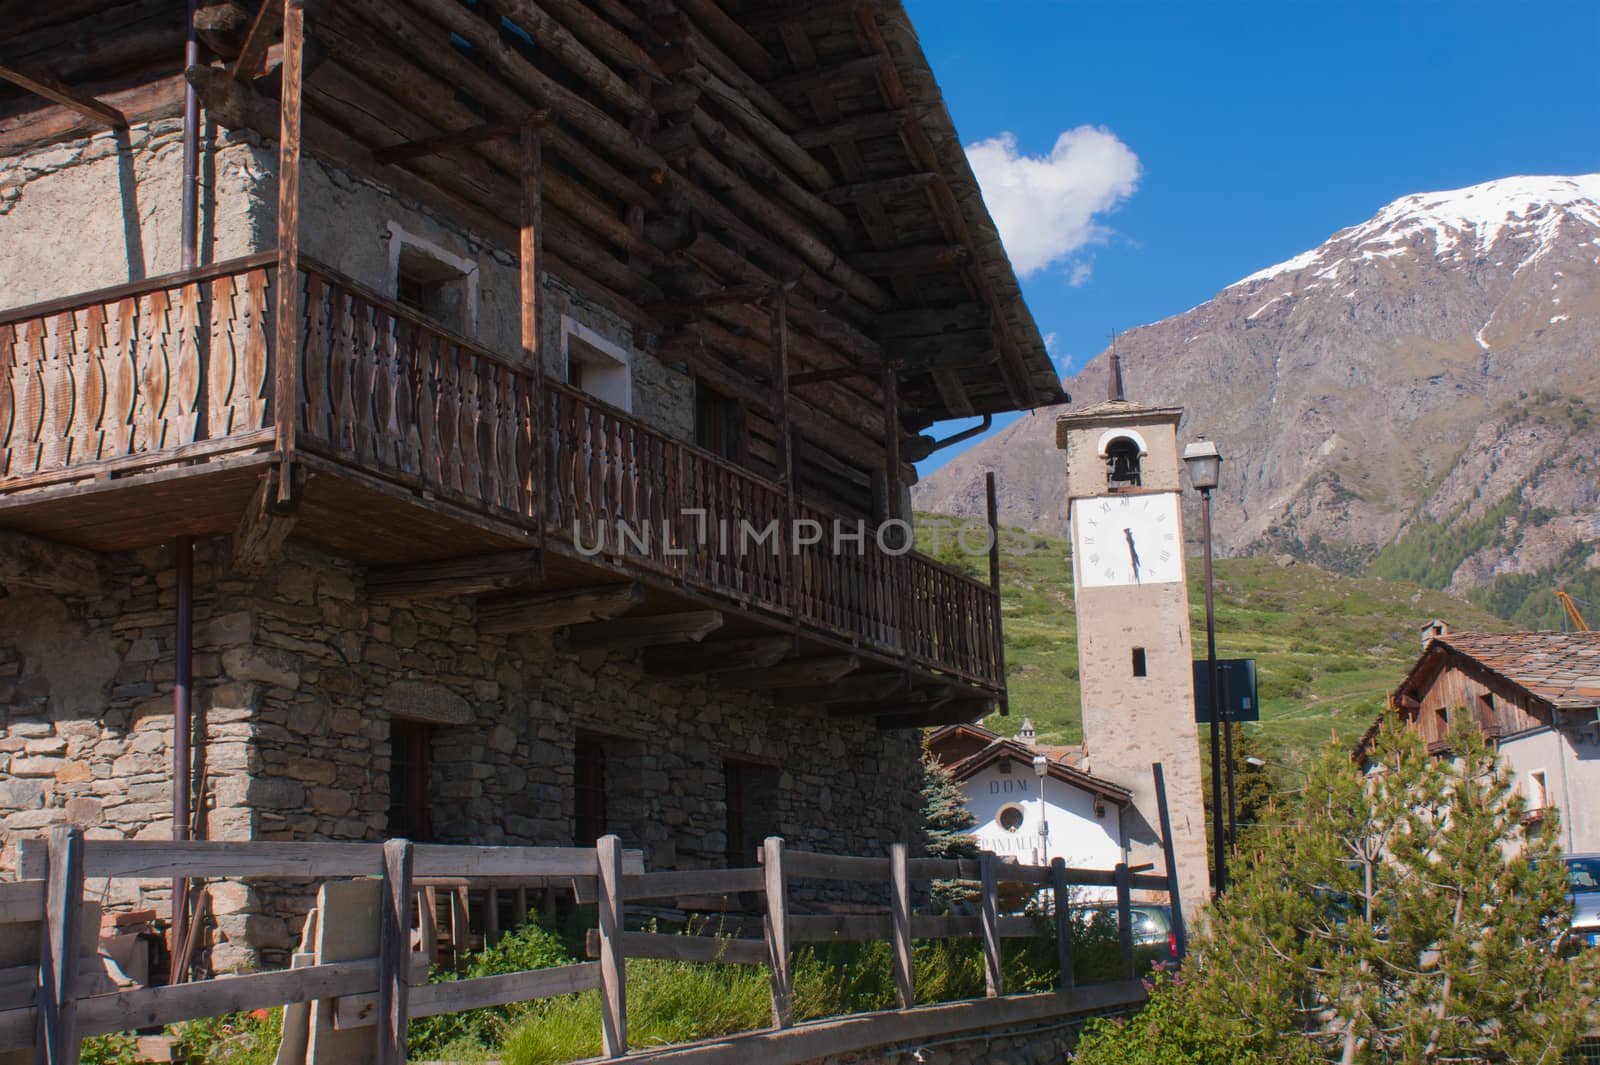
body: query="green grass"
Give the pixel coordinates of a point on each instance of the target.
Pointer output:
(1327, 647)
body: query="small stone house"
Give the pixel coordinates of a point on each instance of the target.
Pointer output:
(1535, 695)
(483, 423)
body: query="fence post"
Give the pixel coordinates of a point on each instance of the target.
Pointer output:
(613, 965)
(900, 885)
(1063, 914)
(58, 954)
(777, 932)
(1125, 919)
(394, 952)
(1180, 931)
(33, 861)
(989, 918)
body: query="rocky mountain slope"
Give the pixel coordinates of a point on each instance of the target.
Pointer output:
(1422, 386)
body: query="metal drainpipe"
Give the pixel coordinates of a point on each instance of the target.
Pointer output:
(183, 549)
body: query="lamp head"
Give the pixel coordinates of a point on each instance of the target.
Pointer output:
(1205, 464)
(1041, 765)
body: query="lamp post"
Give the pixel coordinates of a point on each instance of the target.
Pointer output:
(1041, 767)
(1205, 469)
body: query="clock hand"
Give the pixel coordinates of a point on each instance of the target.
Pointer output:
(1133, 552)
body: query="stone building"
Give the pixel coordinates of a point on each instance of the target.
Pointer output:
(436, 419)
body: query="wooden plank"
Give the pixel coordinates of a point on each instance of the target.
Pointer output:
(795, 673)
(836, 866)
(210, 858)
(841, 927)
(286, 331)
(58, 1035)
(900, 906)
(33, 860)
(394, 950)
(155, 1006)
(1175, 901)
(46, 85)
(654, 631)
(429, 1000)
(557, 609)
(530, 290)
(474, 575)
(613, 967)
(443, 859)
(776, 929)
(676, 882)
(22, 901)
(1124, 921)
(718, 656)
(685, 947)
(1062, 900)
(832, 1038)
(989, 914)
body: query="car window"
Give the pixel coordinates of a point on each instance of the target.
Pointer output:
(1583, 874)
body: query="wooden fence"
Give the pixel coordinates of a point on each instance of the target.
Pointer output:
(42, 1005)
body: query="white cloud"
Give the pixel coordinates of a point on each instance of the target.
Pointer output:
(1046, 205)
(1058, 358)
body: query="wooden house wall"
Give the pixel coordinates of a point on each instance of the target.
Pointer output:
(1459, 687)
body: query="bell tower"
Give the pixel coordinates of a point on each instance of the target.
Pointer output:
(1134, 657)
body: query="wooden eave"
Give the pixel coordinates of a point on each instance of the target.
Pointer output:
(692, 151)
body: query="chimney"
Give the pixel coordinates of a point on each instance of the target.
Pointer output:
(1433, 630)
(1025, 734)
(1115, 389)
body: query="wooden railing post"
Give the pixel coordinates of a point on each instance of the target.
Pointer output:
(531, 248)
(286, 332)
(394, 952)
(900, 887)
(58, 954)
(996, 659)
(613, 964)
(989, 919)
(1063, 915)
(1125, 919)
(777, 932)
(1180, 932)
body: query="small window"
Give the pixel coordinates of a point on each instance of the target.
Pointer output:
(588, 790)
(1139, 669)
(596, 365)
(410, 786)
(1538, 794)
(1005, 769)
(752, 791)
(437, 290)
(1010, 817)
(718, 423)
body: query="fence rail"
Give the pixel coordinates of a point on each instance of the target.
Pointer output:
(45, 1007)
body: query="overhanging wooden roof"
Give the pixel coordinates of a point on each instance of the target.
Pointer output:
(696, 149)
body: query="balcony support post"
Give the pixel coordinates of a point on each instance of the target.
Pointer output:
(286, 334)
(779, 310)
(532, 315)
(998, 635)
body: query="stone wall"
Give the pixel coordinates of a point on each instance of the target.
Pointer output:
(297, 675)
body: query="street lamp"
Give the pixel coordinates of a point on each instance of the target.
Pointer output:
(1205, 469)
(1041, 766)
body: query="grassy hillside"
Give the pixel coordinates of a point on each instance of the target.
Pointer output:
(1327, 647)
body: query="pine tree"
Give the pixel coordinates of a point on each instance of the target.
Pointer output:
(1401, 912)
(948, 824)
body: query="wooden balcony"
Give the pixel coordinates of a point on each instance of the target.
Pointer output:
(132, 415)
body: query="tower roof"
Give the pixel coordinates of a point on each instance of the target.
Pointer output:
(1110, 412)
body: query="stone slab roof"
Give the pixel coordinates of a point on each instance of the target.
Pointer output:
(1560, 668)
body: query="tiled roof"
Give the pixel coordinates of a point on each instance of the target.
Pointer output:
(1561, 668)
(1060, 769)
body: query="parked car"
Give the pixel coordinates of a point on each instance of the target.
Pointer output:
(1583, 882)
(1152, 923)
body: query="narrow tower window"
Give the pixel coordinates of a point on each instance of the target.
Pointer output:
(1122, 463)
(1138, 662)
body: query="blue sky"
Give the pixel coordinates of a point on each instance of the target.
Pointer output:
(1234, 135)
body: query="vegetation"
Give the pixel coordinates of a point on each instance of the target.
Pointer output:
(948, 825)
(1407, 914)
(235, 1039)
(1328, 648)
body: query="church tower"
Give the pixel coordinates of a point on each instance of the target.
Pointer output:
(1134, 659)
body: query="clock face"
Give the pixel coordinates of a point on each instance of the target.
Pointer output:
(1127, 539)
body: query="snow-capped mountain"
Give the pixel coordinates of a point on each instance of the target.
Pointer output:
(1436, 366)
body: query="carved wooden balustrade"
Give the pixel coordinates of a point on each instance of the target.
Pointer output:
(178, 369)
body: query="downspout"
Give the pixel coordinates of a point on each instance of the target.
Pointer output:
(183, 549)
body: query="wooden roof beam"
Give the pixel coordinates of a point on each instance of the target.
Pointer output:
(612, 42)
(42, 84)
(475, 575)
(263, 31)
(690, 626)
(464, 138)
(846, 73)
(795, 673)
(872, 124)
(952, 393)
(916, 259)
(717, 656)
(557, 609)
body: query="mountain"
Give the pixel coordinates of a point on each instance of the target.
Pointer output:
(1417, 394)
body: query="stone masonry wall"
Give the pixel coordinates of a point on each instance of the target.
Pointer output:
(297, 675)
